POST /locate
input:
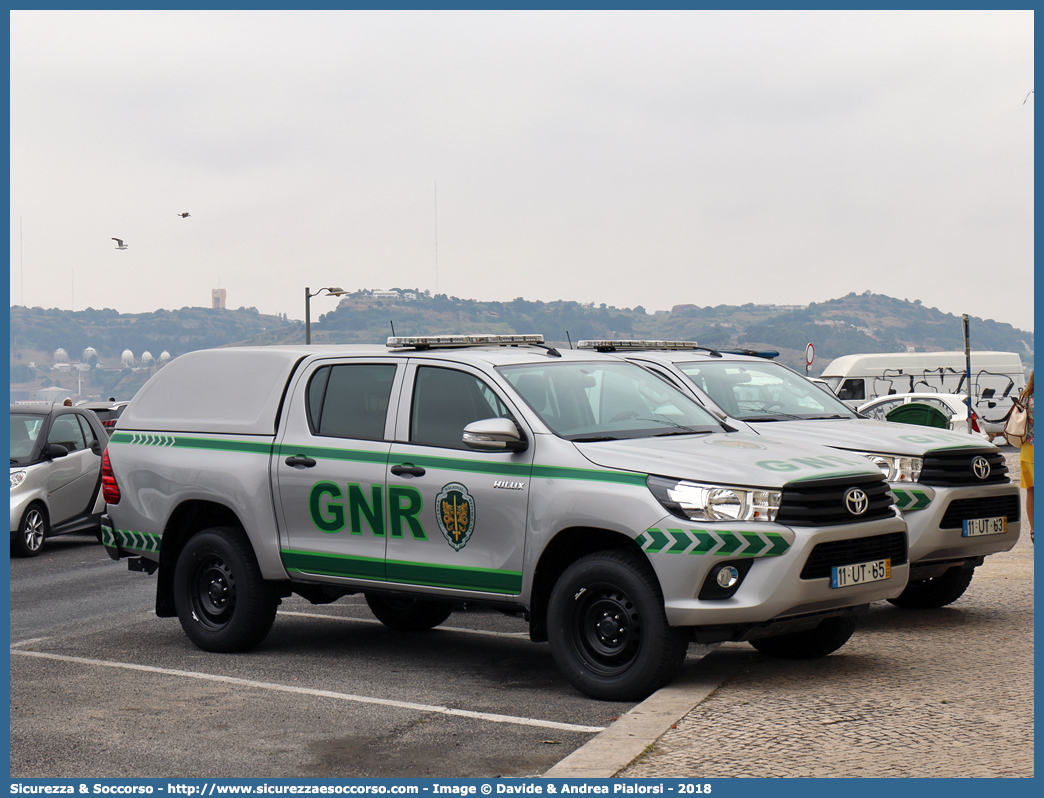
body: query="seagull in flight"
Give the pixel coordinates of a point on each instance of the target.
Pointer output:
(184, 215)
(119, 243)
(1027, 97)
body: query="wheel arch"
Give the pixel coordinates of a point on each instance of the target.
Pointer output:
(563, 550)
(189, 518)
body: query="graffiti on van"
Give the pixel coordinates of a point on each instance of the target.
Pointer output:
(991, 391)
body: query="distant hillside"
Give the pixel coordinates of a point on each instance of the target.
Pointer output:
(852, 324)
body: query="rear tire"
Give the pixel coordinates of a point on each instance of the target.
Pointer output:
(408, 614)
(929, 594)
(221, 600)
(32, 531)
(608, 630)
(825, 639)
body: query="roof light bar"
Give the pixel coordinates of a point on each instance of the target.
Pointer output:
(428, 341)
(613, 346)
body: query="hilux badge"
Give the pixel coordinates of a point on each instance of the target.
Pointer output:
(455, 514)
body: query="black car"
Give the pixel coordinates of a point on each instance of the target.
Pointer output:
(107, 412)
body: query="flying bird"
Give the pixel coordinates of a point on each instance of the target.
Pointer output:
(184, 215)
(119, 243)
(1027, 97)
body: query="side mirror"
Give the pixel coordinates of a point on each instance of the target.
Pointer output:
(53, 450)
(494, 435)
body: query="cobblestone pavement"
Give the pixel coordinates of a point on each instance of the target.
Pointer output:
(929, 693)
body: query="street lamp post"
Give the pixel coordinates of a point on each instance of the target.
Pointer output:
(308, 307)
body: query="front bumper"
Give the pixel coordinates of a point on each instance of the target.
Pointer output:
(773, 587)
(936, 531)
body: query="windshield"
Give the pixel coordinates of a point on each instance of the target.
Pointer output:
(24, 429)
(763, 391)
(609, 400)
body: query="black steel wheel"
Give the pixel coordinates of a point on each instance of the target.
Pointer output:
(928, 594)
(221, 600)
(32, 531)
(607, 628)
(825, 639)
(406, 613)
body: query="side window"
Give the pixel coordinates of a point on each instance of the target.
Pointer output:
(66, 431)
(853, 390)
(350, 400)
(939, 404)
(881, 410)
(445, 401)
(88, 433)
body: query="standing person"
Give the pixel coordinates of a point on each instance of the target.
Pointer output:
(1026, 452)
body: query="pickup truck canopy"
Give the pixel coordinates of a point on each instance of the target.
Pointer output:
(236, 391)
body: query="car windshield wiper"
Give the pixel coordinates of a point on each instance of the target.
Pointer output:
(820, 418)
(594, 438)
(773, 417)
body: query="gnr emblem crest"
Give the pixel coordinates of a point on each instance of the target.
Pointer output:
(455, 514)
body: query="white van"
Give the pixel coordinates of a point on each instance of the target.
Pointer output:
(996, 379)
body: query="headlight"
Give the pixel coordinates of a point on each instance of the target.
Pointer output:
(17, 478)
(896, 468)
(700, 502)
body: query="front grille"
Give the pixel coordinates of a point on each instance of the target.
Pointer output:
(985, 507)
(849, 552)
(953, 468)
(822, 502)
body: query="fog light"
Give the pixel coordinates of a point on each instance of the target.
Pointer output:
(727, 577)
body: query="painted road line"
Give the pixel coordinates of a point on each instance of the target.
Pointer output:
(515, 635)
(283, 688)
(606, 754)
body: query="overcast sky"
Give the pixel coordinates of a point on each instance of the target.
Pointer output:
(631, 158)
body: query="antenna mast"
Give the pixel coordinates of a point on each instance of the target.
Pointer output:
(436, 236)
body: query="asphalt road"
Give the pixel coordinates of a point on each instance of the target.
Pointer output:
(101, 687)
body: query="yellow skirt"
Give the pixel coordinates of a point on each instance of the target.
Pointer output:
(1026, 465)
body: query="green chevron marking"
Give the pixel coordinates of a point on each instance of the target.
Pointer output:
(643, 540)
(754, 544)
(911, 499)
(731, 543)
(682, 541)
(779, 544)
(923, 500)
(706, 542)
(657, 540)
(128, 539)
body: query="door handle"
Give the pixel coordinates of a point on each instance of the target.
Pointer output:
(300, 460)
(413, 471)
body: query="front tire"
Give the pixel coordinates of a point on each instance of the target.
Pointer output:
(608, 630)
(221, 600)
(825, 639)
(408, 614)
(32, 531)
(929, 594)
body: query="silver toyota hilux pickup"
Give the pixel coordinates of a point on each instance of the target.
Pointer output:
(952, 488)
(596, 499)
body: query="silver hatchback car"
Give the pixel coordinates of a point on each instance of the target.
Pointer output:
(56, 454)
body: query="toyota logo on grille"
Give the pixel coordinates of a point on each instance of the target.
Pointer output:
(981, 467)
(856, 501)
